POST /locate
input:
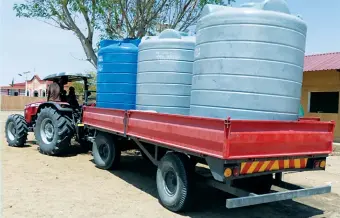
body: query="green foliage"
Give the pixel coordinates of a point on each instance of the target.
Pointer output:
(79, 86)
(137, 18)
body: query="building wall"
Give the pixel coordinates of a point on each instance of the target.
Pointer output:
(17, 103)
(321, 81)
(6, 92)
(36, 86)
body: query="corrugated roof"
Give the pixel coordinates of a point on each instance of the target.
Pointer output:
(326, 61)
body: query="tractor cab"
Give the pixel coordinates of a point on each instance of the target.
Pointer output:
(64, 79)
(54, 123)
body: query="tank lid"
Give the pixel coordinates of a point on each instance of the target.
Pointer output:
(106, 42)
(135, 41)
(269, 5)
(209, 8)
(120, 46)
(170, 34)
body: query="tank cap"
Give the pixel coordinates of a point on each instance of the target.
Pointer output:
(170, 33)
(275, 5)
(209, 8)
(269, 5)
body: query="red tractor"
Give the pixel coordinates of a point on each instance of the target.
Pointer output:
(54, 123)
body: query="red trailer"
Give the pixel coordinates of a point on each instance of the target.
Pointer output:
(245, 157)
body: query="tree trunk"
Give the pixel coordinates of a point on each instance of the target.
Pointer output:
(89, 51)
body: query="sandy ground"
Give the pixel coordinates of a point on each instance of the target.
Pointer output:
(35, 185)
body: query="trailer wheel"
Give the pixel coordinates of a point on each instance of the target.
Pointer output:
(53, 131)
(174, 182)
(105, 151)
(16, 130)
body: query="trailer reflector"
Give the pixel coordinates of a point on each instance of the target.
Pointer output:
(227, 172)
(272, 165)
(323, 164)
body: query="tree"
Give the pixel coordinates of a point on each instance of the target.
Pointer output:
(79, 86)
(137, 18)
(113, 18)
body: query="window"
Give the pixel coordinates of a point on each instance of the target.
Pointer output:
(36, 94)
(16, 93)
(324, 102)
(43, 93)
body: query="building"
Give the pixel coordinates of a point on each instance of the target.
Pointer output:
(321, 87)
(36, 87)
(15, 89)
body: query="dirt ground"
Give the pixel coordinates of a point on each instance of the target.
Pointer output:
(35, 185)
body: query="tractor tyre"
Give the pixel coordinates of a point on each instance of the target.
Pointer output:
(16, 130)
(53, 131)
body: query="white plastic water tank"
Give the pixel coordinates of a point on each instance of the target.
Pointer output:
(164, 73)
(248, 62)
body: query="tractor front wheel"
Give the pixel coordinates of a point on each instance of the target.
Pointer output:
(16, 130)
(53, 131)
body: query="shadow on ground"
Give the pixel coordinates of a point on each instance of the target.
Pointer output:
(74, 150)
(208, 201)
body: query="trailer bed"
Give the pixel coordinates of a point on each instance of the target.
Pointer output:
(224, 139)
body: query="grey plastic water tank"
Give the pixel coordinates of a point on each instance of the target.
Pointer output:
(248, 62)
(165, 73)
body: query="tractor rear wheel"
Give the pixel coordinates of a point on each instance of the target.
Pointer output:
(16, 130)
(53, 131)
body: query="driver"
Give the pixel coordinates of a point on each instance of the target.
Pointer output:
(53, 91)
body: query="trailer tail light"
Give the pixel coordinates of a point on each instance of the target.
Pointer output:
(236, 171)
(316, 164)
(320, 164)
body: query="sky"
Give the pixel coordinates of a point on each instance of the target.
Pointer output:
(31, 45)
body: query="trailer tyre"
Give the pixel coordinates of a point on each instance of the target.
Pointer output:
(53, 131)
(16, 130)
(105, 151)
(174, 182)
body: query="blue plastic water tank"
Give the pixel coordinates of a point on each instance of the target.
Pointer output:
(116, 78)
(165, 72)
(248, 62)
